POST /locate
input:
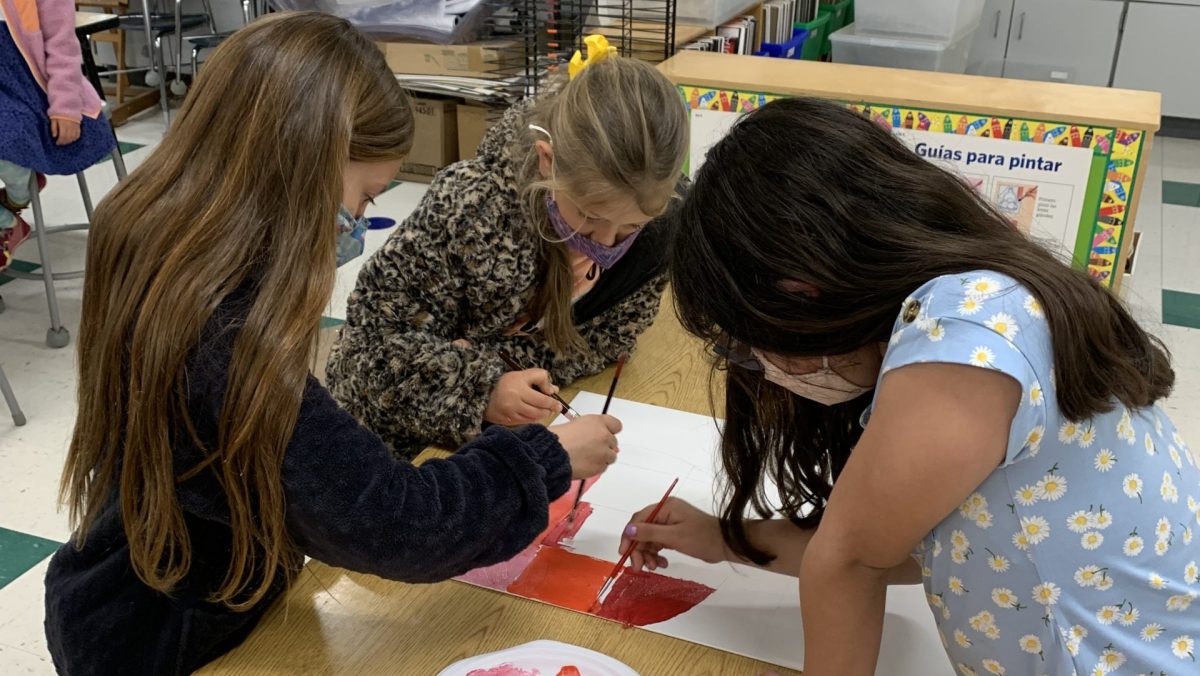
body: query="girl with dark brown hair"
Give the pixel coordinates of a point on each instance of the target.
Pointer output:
(938, 399)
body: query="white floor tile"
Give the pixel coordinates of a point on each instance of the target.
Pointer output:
(22, 613)
(1181, 159)
(21, 663)
(1181, 248)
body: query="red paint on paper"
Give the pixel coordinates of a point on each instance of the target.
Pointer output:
(560, 508)
(503, 670)
(644, 598)
(562, 578)
(502, 574)
(565, 529)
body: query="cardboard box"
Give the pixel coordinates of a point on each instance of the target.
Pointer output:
(477, 59)
(473, 124)
(435, 139)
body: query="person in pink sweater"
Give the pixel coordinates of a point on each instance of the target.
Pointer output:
(50, 120)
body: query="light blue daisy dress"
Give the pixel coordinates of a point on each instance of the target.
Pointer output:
(1077, 556)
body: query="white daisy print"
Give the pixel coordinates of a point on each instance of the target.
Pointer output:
(964, 670)
(956, 586)
(983, 520)
(1026, 496)
(1158, 428)
(1157, 581)
(982, 621)
(1034, 307)
(958, 556)
(1105, 584)
(982, 356)
(1091, 540)
(1105, 460)
(1021, 541)
(998, 563)
(1149, 444)
(1004, 324)
(1108, 614)
(958, 540)
(1187, 535)
(1168, 491)
(1031, 644)
(1051, 487)
(1069, 432)
(1134, 545)
(1047, 593)
(1180, 602)
(1151, 631)
(1184, 648)
(895, 339)
(1163, 528)
(982, 287)
(1087, 437)
(1087, 576)
(1130, 617)
(1036, 396)
(992, 632)
(937, 548)
(970, 306)
(1078, 633)
(1081, 521)
(946, 613)
(1102, 519)
(1162, 546)
(961, 638)
(1111, 660)
(1034, 438)
(1036, 528)
(1191, 572)
(935, 331)
(993, 667)
(1132, 485)
(1175, 457)
(1004, 597)
(934, 600)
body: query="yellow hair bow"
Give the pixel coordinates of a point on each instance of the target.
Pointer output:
(598, 49)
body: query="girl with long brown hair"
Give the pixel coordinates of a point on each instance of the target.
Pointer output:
(939, 399)
(206, 462)
(547, 246)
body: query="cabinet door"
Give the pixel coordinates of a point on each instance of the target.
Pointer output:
(991, 39)
(1159, 52)
(1063, 40)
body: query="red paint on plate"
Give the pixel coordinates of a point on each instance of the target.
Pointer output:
(562, 578)
(503, 670)
(569, 671)
(644, 598)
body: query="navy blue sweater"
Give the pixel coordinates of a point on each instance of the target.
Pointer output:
(349, 504)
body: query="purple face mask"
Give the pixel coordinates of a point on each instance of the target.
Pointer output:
(600, 254)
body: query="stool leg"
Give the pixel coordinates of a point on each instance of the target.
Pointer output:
(56, 335)
(11, 399)
(118, 163)
(86, 194)
(162, 81)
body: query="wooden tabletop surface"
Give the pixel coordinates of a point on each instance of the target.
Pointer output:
(90, 22)
(336, 622)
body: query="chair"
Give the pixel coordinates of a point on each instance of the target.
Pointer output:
(157, 26)
(115, 37)
(251, 9)
(57, 335)
(11, 399)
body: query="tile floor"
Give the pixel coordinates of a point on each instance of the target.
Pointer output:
(1164, 293)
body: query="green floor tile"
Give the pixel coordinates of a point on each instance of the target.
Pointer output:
(330, 322)
(1181, 194)
(1181, 309)
(19, 266)
(19, 552)
(126, 148)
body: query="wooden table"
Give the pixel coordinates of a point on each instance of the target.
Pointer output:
(336, 622)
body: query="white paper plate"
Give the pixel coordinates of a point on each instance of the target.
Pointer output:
(546, 657)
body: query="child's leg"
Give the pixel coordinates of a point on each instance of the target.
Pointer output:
(16, 193)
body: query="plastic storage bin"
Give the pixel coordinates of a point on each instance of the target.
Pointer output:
(709, 12)
(818, 32)
(936, 19)
(792, 49)
(838, 12)
(850, 46)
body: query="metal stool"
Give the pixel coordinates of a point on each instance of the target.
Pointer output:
(11, 399)
(251, 9)
(57, 335)
(158, 25)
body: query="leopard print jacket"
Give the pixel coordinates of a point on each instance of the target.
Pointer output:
(464, 265)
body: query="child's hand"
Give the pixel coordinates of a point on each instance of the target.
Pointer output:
(65, 132)
(590, 443)
(522, 397)
(678, 526)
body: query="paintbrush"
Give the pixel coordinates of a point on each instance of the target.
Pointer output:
(612, 388)
(612, 577)
(513, 364)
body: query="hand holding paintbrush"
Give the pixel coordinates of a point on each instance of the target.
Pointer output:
(612, 388)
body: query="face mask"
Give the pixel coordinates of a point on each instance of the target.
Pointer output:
(351, 235)
(824, 386)
(600, 254)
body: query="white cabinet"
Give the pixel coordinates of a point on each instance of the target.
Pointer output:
(1160, 52)
(1052, 40)
(991, 39)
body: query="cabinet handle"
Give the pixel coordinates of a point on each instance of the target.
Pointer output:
(996, 29)
(1021, 27)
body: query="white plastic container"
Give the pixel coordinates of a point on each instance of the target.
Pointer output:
(707, 12)
(935, 19)
(866, 49)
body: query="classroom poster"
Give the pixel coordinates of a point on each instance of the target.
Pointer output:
(1080, 204)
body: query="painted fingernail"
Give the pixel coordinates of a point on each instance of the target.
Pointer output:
(631, 531)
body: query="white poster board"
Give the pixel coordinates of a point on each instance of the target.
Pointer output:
(752, 612)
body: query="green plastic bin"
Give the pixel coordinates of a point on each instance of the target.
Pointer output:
(818, 35)
(838, 13)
